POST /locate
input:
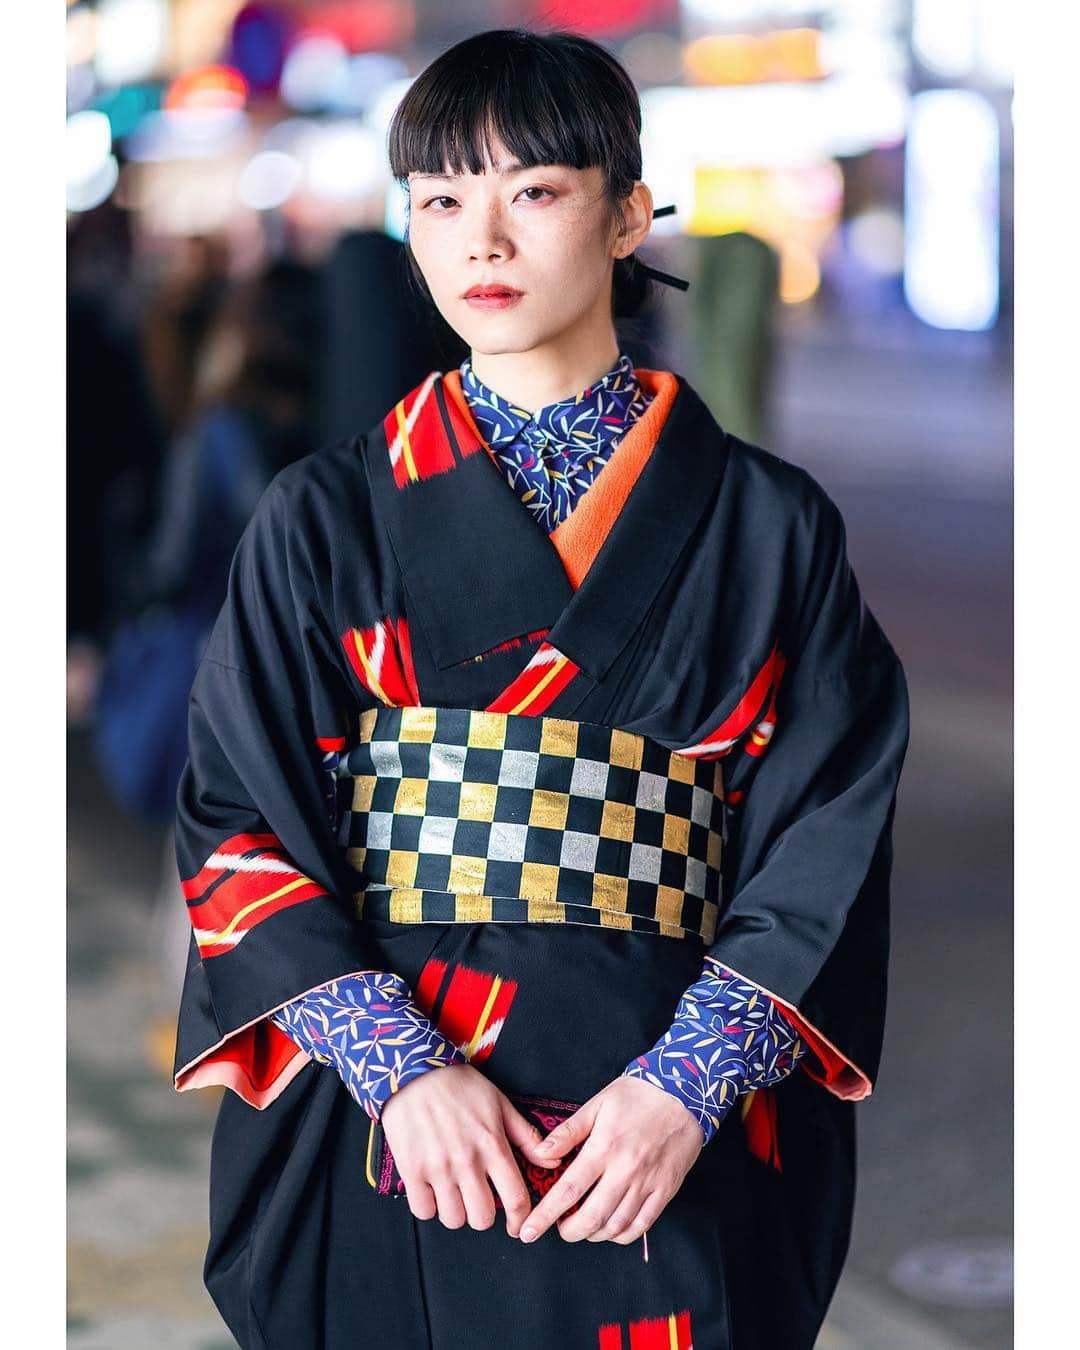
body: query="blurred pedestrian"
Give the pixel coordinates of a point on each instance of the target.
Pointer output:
(181, 313)
(250, 414)
(114, 441)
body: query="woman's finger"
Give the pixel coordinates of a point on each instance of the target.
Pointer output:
(623, 1214)
(448, 1198)
(510, 1184)
(608, 1195)
(652, 1207)
(476, 1194)
(420, 1198)
(525, 1135)
(571, 1186)
(573, 1130)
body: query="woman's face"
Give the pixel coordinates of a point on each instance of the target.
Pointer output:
(545, 232)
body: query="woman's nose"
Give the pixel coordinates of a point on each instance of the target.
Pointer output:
(488, 236)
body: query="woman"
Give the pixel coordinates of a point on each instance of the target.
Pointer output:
(473, 808)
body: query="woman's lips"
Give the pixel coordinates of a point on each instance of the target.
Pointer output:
(494, 299)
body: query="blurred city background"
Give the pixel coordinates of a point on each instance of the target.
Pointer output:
(841, 174)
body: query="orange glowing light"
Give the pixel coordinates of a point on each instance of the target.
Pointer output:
(797, 52)
(725, 59)
(214, 88)
(746, 58)
(800, 274)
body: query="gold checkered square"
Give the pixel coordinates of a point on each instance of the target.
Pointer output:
(714, 850)
(546, 911)
(467, 874)
(539, 881)
(549, 809)
(609, 892)
(473, 909)
(363, 791)
(487, 730)
(406, 906)
(401, 867)
(411, 797)
(559, 737)
(617, 821)
(676, 833)
(669, 904)
(681, 768)
(627, 749)
(418, 725)
(477, 801)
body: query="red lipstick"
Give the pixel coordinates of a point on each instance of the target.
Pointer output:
(492, 296)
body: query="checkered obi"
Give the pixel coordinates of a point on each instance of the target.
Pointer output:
(454, 815)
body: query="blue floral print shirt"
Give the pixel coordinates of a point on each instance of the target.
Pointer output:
(727, 1037)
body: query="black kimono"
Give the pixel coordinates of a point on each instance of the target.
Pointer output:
(687, 686)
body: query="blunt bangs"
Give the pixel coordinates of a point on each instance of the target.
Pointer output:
(553, 98)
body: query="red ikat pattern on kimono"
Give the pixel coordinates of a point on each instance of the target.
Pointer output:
(672, 1332)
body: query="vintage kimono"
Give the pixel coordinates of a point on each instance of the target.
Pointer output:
(568, 768)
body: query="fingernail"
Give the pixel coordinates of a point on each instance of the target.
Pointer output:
(527, 1234)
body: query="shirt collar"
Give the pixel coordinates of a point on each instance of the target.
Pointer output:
(503, 422)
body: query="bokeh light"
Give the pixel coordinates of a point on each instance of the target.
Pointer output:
(131, 38)
(315, 74)
(951, 207)
(268, 180)
(800, 273)
(876, 239)
(257, 47)
(210, 88)
(344, 162)
(86, 145)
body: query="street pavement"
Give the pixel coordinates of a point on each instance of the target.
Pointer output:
(920, 467)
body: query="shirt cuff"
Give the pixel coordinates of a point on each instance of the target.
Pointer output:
(368, 1027)
(728, 1038)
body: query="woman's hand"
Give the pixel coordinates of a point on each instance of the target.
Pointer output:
(449, 1130)
(639, 1142)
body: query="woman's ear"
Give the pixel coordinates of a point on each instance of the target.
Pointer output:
(637, 210)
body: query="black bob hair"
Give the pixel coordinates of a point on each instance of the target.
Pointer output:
(551, 98)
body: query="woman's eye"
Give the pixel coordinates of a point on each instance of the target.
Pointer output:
(433, 202)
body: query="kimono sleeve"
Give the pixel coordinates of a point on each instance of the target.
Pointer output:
(809, 856)
(268, 894)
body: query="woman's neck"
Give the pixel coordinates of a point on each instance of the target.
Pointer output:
(547, 374)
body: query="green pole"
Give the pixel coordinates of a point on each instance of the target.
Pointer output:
(735, 297)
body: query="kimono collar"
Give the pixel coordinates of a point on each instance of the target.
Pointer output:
(478, 573)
